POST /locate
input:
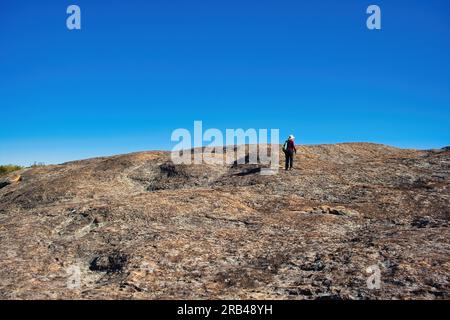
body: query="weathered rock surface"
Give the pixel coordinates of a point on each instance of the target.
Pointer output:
(12, 178)
(137, 226)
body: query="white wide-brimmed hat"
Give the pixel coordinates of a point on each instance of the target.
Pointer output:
(291, 137)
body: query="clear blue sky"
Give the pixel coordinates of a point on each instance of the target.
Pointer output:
(139, 69)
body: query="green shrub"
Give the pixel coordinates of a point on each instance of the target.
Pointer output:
(9, 168)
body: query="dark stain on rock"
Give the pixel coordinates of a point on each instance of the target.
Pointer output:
(110, 263)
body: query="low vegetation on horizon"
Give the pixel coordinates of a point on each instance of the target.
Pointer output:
(4, 169)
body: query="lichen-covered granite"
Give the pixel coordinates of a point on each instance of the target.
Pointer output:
(138, 227)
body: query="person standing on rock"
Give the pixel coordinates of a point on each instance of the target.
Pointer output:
(289, 151)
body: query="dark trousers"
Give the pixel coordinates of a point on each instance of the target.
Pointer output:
(289, 159)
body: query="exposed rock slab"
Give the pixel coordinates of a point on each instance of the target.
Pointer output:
(137, 226)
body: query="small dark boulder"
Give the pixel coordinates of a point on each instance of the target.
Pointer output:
(109, 263)
(422, 222)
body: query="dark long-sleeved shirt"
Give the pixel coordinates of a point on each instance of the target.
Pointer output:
(291, 146)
